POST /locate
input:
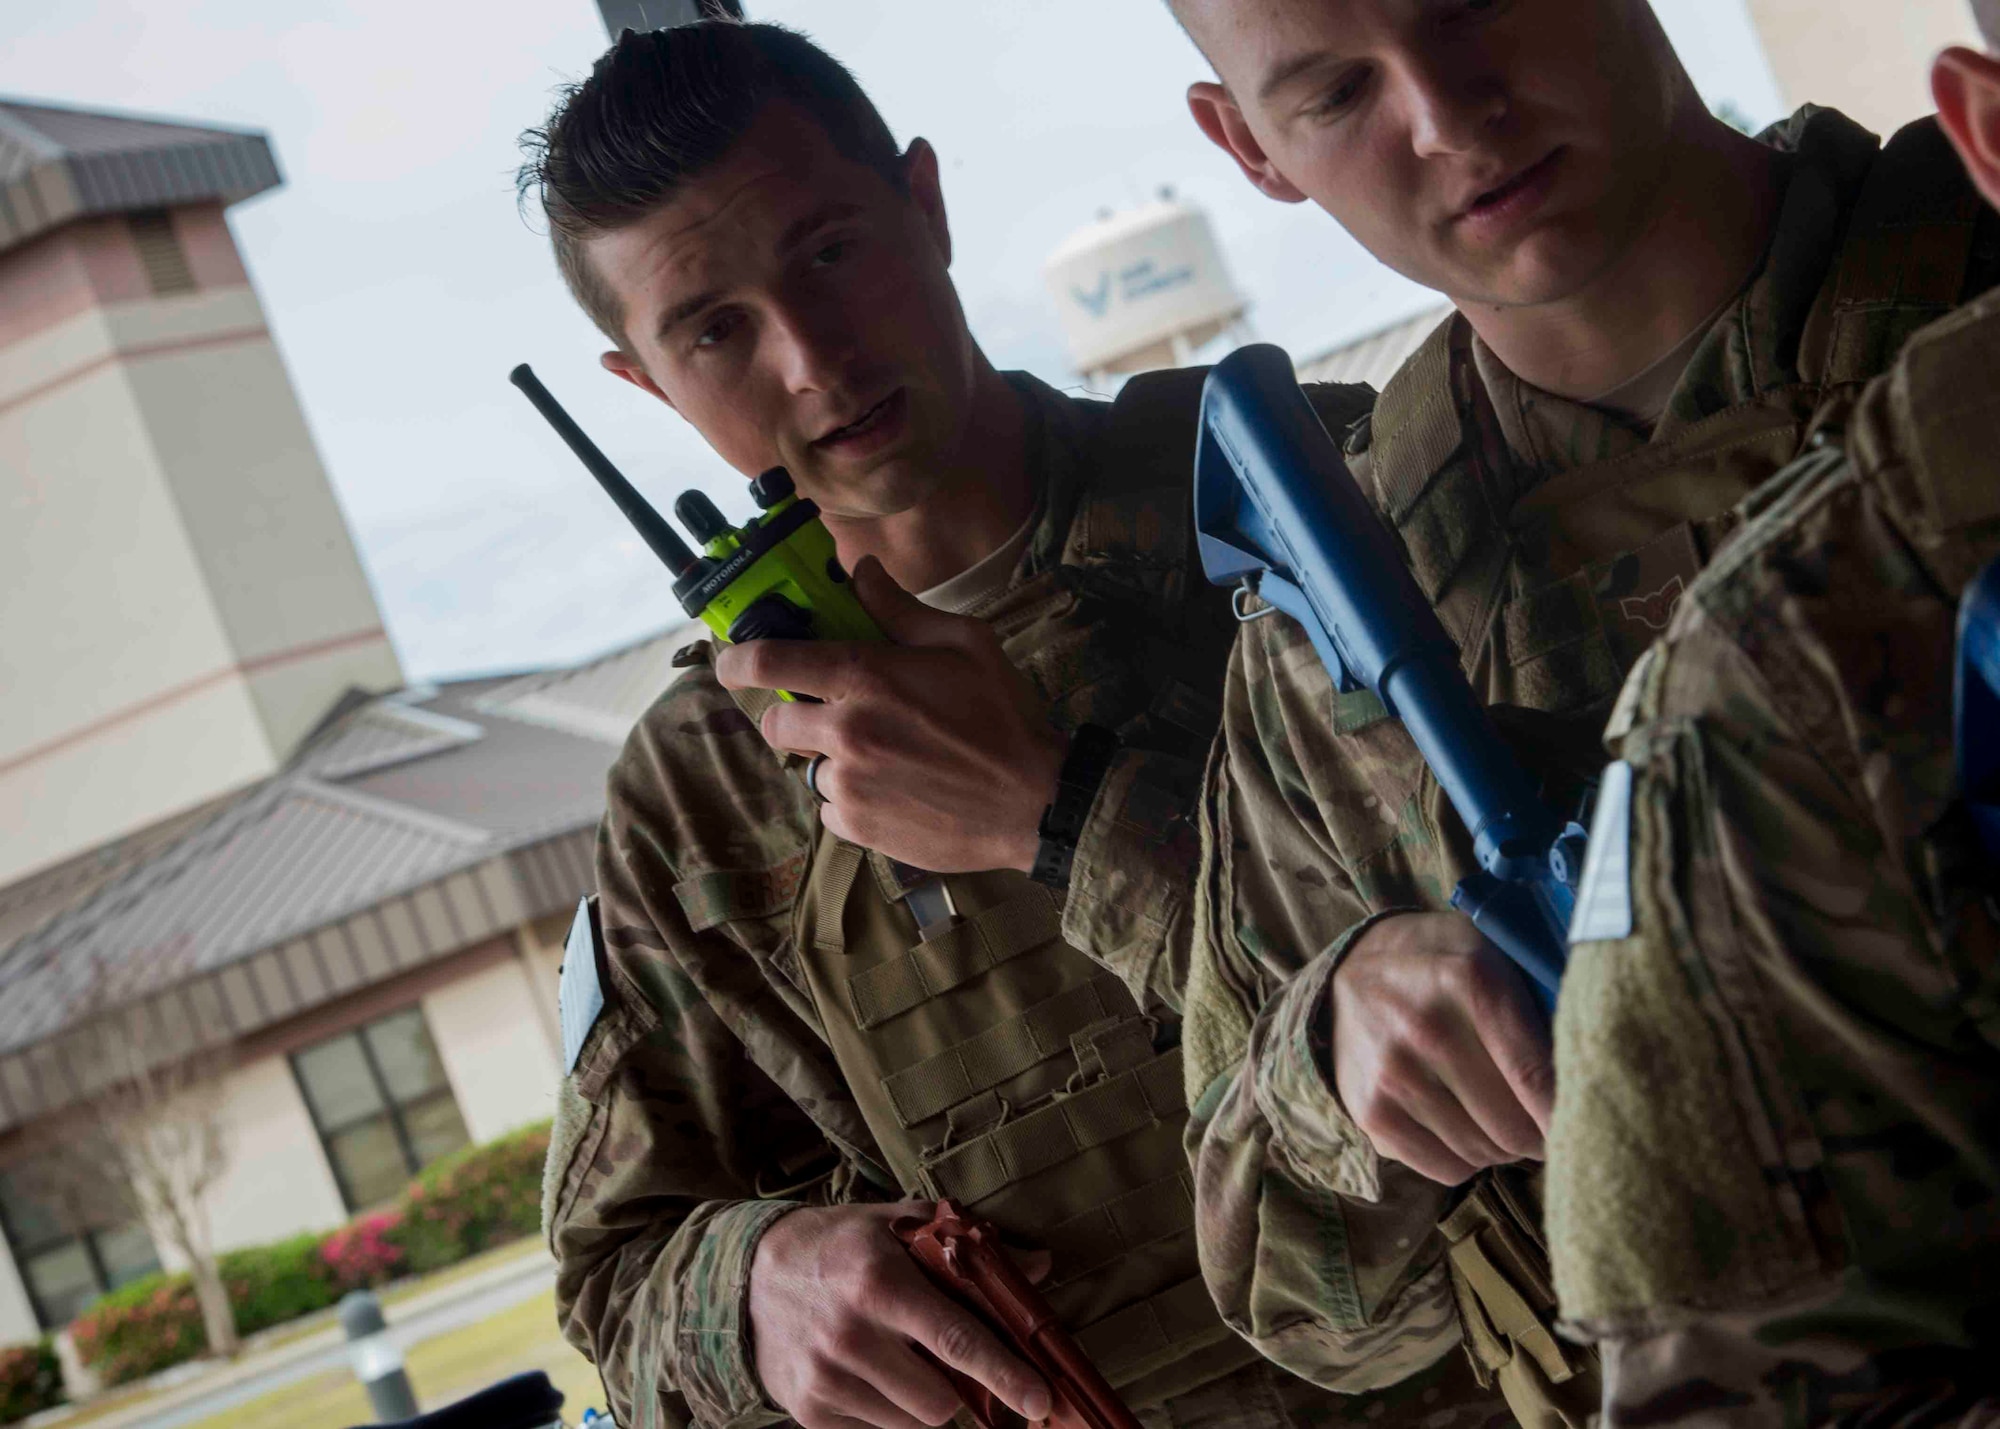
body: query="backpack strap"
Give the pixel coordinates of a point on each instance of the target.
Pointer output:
(1417, 427)
(1134, 521)
(1903, 263)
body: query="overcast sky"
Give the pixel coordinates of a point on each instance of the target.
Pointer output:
(402, 285)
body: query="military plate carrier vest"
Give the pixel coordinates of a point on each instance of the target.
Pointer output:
(1554, 625)
(994, 1063)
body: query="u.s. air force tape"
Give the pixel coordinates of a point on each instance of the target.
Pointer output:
(1604, 897)
(581, 997)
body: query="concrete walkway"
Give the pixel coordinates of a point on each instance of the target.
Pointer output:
(412, 1320)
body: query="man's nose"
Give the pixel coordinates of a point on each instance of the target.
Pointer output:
(810, 349)
(1453, 103)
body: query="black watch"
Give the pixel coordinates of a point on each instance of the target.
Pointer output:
(1091, 750)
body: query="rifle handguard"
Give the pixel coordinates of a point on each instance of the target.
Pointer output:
(963, 1257)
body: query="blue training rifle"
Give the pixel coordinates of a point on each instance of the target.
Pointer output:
(1977, 712)
(1280, 516)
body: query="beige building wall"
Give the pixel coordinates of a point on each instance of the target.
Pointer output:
(1869, 58)
(180, 601)
(496, 1047)
(17, 1315)
(278, 1182)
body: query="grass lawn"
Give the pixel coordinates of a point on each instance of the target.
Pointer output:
(442, 1369)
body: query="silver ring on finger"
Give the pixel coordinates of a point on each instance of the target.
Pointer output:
(812, 776)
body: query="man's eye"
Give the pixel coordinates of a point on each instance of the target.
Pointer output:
(717, 330)
(1341, 95)
(1480, 9)
(831, 253)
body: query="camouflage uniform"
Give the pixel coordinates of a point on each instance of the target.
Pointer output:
(708, 1100)
(1553, 539)
(1774, 1176)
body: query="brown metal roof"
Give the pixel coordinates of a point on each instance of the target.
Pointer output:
(58, 164)
(1374, 357)
(601, 698)
(410, 827)
(32, 901)
(516, 781)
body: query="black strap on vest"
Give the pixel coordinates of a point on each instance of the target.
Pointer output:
(1908, 249)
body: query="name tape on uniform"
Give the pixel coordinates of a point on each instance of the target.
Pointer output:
(580, 998)
(1604, 899)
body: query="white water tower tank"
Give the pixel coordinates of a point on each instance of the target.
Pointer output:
(1141, 289)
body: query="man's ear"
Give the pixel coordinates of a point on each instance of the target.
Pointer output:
(1217, 116)
(625, 365)
(920, 172)
(1966, 85)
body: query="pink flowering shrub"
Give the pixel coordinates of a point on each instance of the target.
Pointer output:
(364, 1251)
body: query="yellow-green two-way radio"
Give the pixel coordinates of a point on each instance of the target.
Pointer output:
(776, 577)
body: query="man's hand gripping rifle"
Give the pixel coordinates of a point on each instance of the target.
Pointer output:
(1281, 517)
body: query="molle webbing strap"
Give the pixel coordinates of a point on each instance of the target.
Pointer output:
(1052, 1134)
(1903, 263)
(1000, 1053)
(959, 954)
(1181, 1316)
(835, 873)
(1096, 1237)
(1114, 1045)
(1505, 1277)
(1416, 426)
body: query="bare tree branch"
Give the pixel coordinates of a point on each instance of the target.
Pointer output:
(149, 1146)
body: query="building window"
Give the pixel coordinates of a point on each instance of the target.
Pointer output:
(383, 1108)
(160, 252)
(64, 1269)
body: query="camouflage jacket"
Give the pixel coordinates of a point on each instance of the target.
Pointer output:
(1774, 1176)
(1553, 539)
(705, 1100)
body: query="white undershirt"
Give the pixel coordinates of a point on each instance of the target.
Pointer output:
(1643, 398)
(985, 578)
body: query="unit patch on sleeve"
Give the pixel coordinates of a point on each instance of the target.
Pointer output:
(1604, 898)
(581, 997)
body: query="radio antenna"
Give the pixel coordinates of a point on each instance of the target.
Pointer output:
(651, 526)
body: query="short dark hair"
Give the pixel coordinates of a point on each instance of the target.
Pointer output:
(1986, 14)
(659, 108)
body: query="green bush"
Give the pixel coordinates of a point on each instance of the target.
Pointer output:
(477, 1198)
(140, 1328)
(30, 1380)
(270, 1284)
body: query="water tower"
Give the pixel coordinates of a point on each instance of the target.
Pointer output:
(1142, 289)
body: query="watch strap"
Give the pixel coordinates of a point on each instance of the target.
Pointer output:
(1091, 750)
